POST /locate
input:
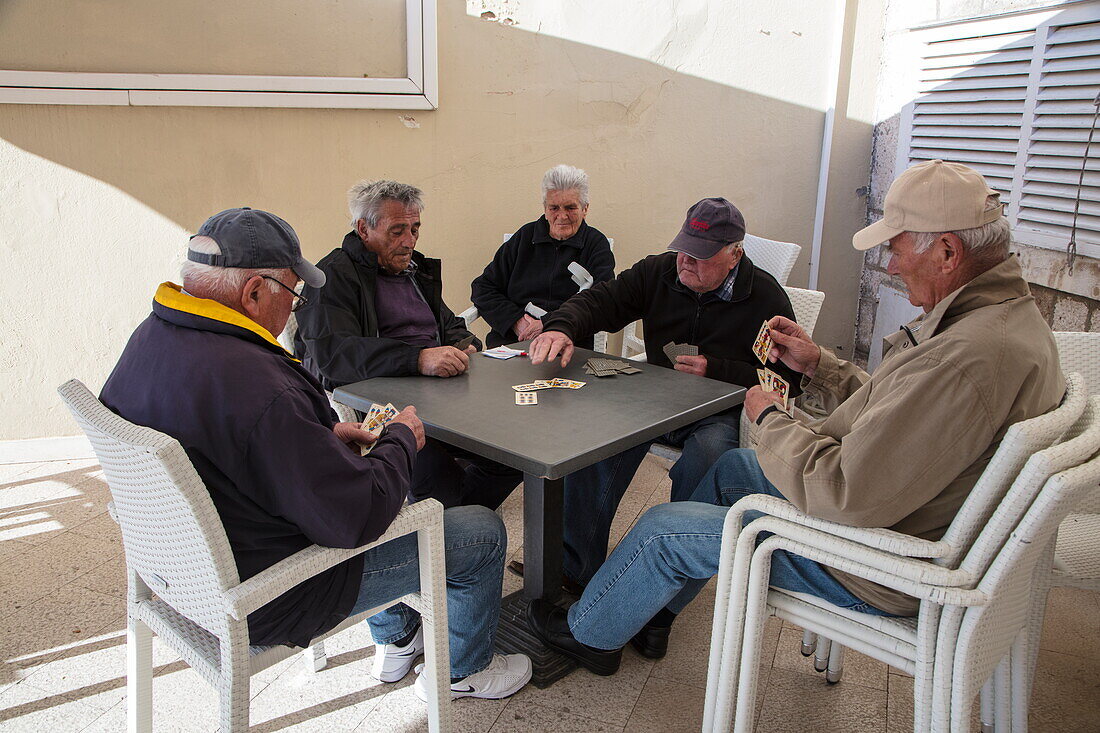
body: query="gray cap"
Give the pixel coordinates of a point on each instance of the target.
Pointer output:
(255, 239)
(711, 224)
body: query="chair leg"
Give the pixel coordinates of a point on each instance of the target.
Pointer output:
(836, 663)
(317, 656)
(809, 643)
(821, 654)
(139, 677)
(234, 682)
(986, 705)
(433, 617)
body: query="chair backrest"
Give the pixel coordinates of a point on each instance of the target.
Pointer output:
(989, 630)
(1080, 352)
(172, 534)
(775, 257)
(807, 306)
(1021, 441)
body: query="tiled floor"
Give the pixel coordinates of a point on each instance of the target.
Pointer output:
(62, 649)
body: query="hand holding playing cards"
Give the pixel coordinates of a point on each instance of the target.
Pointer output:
(353, 432)
(756, 399)
(442, 361)
(696, 365)
(408, 418)
(527, 328)
(793, 346)
(548, 345)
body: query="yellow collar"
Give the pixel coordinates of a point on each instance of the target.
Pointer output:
(172, 296)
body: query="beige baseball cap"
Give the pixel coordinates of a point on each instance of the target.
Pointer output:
(932, 197)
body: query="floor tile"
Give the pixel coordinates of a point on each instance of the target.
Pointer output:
(1072, 622)
(51, 565)
(530, 717)
(667, 707)
(797, 702)
(48, 714)
(1066, 696)
(401, 711)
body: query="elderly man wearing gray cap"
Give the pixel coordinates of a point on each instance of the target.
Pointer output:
(704, 292)
(205, 368)
(901, 448)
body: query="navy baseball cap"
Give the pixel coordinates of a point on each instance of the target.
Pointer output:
(255, 239)
(709, 226)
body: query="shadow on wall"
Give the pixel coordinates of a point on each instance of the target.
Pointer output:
(89, 249)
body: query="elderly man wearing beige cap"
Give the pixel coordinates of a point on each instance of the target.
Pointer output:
(901, 448)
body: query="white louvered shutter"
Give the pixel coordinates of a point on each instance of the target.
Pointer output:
(1015, 102)
(1068, 83)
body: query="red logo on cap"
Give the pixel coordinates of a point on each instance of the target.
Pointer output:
(699, 225)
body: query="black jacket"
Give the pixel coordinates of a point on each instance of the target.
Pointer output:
(338, 338)
(669, 311)
(258, 429)
(531, 267)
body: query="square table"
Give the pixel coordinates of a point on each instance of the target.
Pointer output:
(567, 430)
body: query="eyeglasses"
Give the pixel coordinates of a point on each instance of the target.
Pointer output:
(299, 300)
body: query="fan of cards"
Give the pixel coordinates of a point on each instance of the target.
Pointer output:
(525, 393)
(769, 380)
(609, 367)
(673, 350)
(375, 420)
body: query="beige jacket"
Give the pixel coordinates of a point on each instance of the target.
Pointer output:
(903, 447)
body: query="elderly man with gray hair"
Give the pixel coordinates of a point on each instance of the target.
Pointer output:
(205, 368)
(381, 314)
(529, 275)
(901, 448)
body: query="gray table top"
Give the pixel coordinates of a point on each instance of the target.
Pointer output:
(568, 429)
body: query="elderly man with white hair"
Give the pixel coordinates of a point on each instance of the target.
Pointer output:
(901, 448)
(529, 275)
(382, 314)
(205, 368)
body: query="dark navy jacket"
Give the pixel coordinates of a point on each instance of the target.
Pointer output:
(532, 267)
(258, 429)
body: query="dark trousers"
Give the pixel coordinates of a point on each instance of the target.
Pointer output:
(456, 477)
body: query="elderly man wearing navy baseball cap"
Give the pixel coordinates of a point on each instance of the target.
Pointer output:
(702, 295)
(205, 368)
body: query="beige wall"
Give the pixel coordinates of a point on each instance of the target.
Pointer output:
(662, 103)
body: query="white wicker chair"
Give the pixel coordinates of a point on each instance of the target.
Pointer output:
(777, 258)
(885, 557)
(176, 548)
(471, 314)
(345, 413)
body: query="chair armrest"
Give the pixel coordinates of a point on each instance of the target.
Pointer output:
(886, 540)
(272, 582)
(854, 557)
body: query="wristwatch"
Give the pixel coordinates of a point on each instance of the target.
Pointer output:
(766, 411)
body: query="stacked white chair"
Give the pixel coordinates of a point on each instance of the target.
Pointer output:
(918, 567)
(182, 581)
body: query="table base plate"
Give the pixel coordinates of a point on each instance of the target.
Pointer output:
(514, 636)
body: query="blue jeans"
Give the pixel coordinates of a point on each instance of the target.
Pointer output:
(475, 544)
(674, 549)
(592, 494)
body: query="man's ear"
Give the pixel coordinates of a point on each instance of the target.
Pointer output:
(952, 252)
(361, 228)
(250, 296)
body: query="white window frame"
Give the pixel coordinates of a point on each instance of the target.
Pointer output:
(419, 89)
(1038, 22)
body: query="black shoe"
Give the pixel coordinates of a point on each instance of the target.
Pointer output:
(549, 623)
(652, 641)
(568, 585)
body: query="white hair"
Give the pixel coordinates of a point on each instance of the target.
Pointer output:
(566, 178)
(988, 242)
(365, 199)
(220, 283)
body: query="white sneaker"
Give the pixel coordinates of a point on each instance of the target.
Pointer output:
(504, 676)
(392, 662)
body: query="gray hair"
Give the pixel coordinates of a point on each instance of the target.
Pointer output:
(988, 242)
(365, 199)
(222, 284)
(566, 178)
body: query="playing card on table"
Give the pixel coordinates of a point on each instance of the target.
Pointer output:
(567, 383)
(531, 386)
(763, 344)
(527, 398)
(544, 384)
